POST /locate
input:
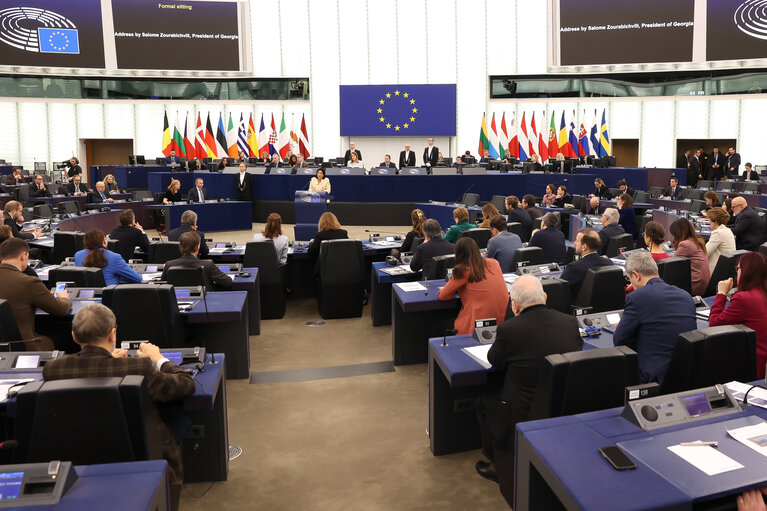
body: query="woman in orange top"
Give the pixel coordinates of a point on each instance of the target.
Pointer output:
(479, 282)
(488, 212)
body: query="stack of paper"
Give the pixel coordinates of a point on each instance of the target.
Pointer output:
(754, 437)
(411, 286)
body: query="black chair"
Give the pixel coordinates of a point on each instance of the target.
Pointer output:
(641, 196)
(66, 244)
(527, 255)
(676, 271)
(22, 194)
(342, 275)
(763, 248)
(417, 241)
(441, 265)
(54, 421)
(261, 255)
(709, 356)
(557, 294)
(42, 211)
(140, 195)
(752, 187)
(146, 312)
(470, 199)
(705, 183)
(178, 276)
(82, 277)
(696, 206)
(70, 208)
(517, 228)
(499, 201)
(480, 235)
(656, 191)
(9, 329)
(615, 192)
(616, 243)
(160, 252)
(602, 289)
(579, 203)
(726, 267)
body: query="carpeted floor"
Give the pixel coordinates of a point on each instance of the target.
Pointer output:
(356, 442)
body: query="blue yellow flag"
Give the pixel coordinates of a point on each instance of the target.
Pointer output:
(604, 138)
(58, 40)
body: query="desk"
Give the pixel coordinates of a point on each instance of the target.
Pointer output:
(380, 292)
(105, 221)
(140, 208)
(443, 213)
(211, 216)
(557, 461)
(127, 176)
(672, 204)
(638, 178)
(219, 186)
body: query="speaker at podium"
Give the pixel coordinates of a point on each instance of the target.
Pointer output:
(309, 208)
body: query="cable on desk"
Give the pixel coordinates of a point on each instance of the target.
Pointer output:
(745, 398)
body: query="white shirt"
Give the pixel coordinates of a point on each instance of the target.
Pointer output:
(242, 177)
(280, 245)
(357, 165)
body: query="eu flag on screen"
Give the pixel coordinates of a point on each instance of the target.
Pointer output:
(397, 110)
(58, 40)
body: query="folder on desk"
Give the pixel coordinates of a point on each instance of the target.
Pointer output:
(479, 354)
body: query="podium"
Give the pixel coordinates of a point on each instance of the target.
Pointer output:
(309, 208)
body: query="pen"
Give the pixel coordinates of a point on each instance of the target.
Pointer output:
(699, 443)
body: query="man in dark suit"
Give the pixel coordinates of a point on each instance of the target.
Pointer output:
(432, 247)
(130, 235)
(94, 328)
(683, 162)
(243, 184)
(517, 214)
(26, 294)
(748, 228)
(74, 168)
(486, 158)
(198, 193)
(458, 161)
(673, 191)
(348, 155)
(15, 178)
(624, 187)
(274, 164)
(189, 245)
(703, 158)
(732, 162)
(610, 228)
(550, 239)
(13, 217)
(587, 245)
(99, 194)
(600, 190)
(172, 159)
(189, 224)
(430, 154)
(406, 157)
(76, 187)
(715, 165)
(749, 174)
(654, 316)
(520, 346)
(528, 204)
(694, 170)
(387, 163)
(300, 162)
(37, 188)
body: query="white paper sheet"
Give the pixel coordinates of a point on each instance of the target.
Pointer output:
(5, 386)
(705, 458)
(757, 396)
(410, 286)
(754, 436)
(479, 354)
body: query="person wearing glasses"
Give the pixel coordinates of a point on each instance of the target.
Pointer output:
(748, 228)
(748, 306)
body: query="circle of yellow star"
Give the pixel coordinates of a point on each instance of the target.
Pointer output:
(406, 94)
(388, 125)
(396, 128)
(388, 95)
(406, 125)
(412, 102)
(415, 110)
(412, 119)
(381, 101)
(396, 93)
(381, 119)
(380, 110)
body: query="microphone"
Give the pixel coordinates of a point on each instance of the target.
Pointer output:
(426, 293)
(9, 444)
(384, 232)
(464, 193)
(448, 331)
(8, 344)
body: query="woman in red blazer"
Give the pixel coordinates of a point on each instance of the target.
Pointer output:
(748, 306)
(479, 282)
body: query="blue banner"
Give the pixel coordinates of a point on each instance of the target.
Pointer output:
(58, 40)
(397, 110)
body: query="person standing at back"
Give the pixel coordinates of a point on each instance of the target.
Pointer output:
(243, 184)
(430, 154)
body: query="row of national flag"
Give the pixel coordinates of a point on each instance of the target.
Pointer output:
(522, 143)
(229, 138)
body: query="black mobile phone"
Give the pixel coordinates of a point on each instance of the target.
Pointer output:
(617, 458)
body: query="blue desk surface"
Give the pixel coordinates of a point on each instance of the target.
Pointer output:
(127, 176)
(211, 216)
(415, 301)
(385, 278)
(116, 486)
(217, 185)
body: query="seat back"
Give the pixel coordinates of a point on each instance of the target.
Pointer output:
(725, 268)
(262, 255)
(146, 312)
(342, 275)
(557, 294)
(499, 201)
(55, 421)
(602, 289)
(656, 191)
(140, 195)
(9, 329)
(709, 356)
(22, 193)
(161, 252)
(583, 381)
(470, 199)
(42, 211)
(69, 207)
(616, 243)
(480, 235)
(641, 196)
(763, 248)
(705, 183)
(752, 187)
(65, 244)
(527, 255)
(696, 206)
(676, 271)
(416, 243)
(441, 265)
(517, 228)
(81, 276)
(178, 276)
(579, 203)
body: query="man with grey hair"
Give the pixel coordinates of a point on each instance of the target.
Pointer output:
(748, 228)
(99, 194)
(432, 246)
(610, 227)
(593, 206)
(550, 240)
(521, 344)
(198, 193)
(189, 224)
(654, 316)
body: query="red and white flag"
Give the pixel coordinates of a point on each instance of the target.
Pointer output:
(514, 142)
(303, 139)
(503, 138)
(189, 132)
(534, 137)
(199, 139)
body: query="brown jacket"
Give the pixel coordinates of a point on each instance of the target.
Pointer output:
(25, 294)
(169, 384)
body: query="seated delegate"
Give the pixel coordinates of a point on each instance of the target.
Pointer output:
(461, 217)
(95, 255)
(516, 214)
(488, 211)
(189, 246)
(628, 218)
(549, 196)
(75, 187)
(587, 244)
(198, 193)
(434, 245)
(172, 194)
(99, 194)
(562, 197)
(688, 244)
(417, 218)
(748, 228)
(654, 236)
(480, 284)
(189, 224)
(37, 188)
(721, 239)
(111, 184)
(273, 231)
(503, 245)
(610, 227)
(130, 235)
(328, 228)
(550, 240)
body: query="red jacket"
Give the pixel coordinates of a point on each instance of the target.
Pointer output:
(748, 308)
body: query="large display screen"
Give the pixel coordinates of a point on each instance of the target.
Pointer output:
(176, 35)
(51, 33)
(736, 30)
(594, 32)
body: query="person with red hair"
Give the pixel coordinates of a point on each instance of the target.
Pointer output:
(748, 306)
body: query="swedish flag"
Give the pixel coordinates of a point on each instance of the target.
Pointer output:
(58, 40)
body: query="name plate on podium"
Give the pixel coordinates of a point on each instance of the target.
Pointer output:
(307, 196)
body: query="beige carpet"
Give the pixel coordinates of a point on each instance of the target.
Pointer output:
(356, 443)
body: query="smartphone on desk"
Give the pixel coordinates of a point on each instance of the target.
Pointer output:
(60, 286)
(617, 458)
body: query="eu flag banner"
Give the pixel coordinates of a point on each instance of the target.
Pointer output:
(58, 40)
(397, 110)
